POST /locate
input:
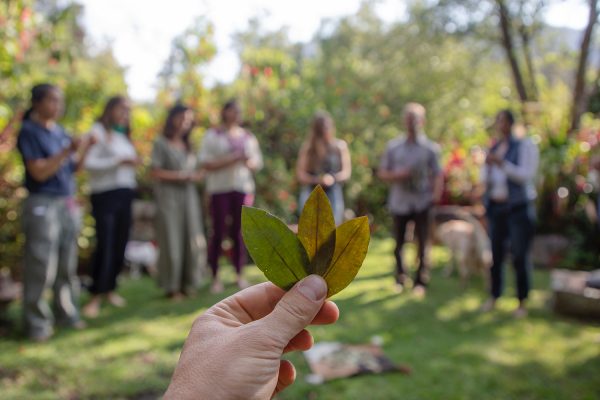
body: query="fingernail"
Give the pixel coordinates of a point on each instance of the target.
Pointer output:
(313, 287)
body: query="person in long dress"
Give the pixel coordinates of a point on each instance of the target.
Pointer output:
(180, 235)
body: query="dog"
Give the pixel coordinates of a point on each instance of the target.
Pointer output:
(467, 240)
(141, 257)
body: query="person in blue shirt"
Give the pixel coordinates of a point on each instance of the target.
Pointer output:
(50, 215)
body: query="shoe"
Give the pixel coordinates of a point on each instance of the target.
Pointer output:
(92, 309)
(399, 287)
(216, 287)
(41, 337)
(242, 283)
(78, 325)
(116, 300)
(176, 297)
(419, 291)
(488, 306)
(520, 313)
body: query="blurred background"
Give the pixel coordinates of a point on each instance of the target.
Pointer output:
(360, 60)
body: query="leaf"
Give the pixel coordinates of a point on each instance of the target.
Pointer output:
(273, 247)
(316, 231)
(352, 243)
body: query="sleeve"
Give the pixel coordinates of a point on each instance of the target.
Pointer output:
(529, 159)
(206, 153)
(483, 174)
(29, 147)
(99, 157)
(158, 156)
(255, 154)
(434, 160)
(386, 159)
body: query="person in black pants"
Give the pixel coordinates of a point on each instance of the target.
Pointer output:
(508, 175)
(410, 165)
(111, 165)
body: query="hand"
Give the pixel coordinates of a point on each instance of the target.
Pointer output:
(493, 159)
(75, 144)
(239, 155)
(403, 173)
(327, 180)
(197, 176)
(234, 349)
(185, 176)
(92, 140)
(133, 162)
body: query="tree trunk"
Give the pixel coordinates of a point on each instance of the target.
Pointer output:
(579, 92)
(509, 48)
(526, 42)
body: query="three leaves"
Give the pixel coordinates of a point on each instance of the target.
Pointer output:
(319, 248)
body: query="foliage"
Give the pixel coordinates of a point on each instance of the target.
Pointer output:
(566, 195)
(357, 67)
(35, 34)
(319, 247)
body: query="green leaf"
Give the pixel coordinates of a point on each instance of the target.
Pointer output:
(316, 231)
(352, 243)
(274, 247)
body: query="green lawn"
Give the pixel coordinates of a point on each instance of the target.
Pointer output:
(454, 351)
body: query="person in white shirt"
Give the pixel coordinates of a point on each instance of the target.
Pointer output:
(509, 180)
(111, 164)
(230, 155)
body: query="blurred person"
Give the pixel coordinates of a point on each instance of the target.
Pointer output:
(595, 178)
(324, 160)
(234, 349)
(50, 216)
(508, 177)
(410, 165)
(230, 155)
(111, 163)
(180, 234)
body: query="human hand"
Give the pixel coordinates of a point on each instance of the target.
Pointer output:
(234, 349)
(197, 176)
(132, 162)
(92, 140)
(327, 180)
(403, 173)
(492, 159)
(75, 144)
(239, 155)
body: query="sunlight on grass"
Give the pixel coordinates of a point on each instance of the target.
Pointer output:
(455, 352)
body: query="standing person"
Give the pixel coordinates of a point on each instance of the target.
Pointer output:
(230, 155)
(111, 164)
(324, 160)
(508, 176)
(410, 165)
(50, 215)
(181, 241)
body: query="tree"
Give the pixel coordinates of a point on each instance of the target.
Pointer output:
(44, 41)
(580, 92)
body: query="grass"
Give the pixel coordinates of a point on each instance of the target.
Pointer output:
(454, 351)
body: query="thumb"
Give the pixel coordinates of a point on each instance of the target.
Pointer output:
(296, 309)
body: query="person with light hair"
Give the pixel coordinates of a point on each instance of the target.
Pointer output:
(410, 165)
(324, 160)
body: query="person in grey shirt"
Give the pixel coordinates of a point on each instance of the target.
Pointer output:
(410, 165)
